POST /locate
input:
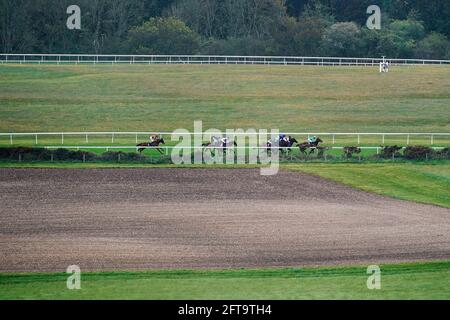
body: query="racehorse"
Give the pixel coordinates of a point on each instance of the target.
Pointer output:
(217, 143)
(155, 144)
(283, 144)
(307, 145)
(287, 145)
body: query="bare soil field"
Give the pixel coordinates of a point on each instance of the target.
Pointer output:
(131, 219)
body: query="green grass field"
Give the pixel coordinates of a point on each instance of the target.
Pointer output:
(415, 182)
(48, 98)
(402, 281)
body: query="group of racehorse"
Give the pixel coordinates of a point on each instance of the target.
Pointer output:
(285, 144)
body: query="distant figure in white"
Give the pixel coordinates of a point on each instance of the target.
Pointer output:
(384, 66)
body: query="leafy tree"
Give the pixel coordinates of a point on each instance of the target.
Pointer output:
(395, 46)
(434, 46)
(295, 7)
(164, 36)
(369, 43)
(413, 28)
(316, 9)
(224, 19)
(240, 46)
(399, 39)
(408, 29)
(350, 10)
(342, 39)
(300, 38)
(434, 13)
(15, 26)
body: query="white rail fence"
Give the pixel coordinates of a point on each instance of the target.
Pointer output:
(205, 59)
(113, 136)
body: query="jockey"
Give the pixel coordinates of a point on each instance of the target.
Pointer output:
(312, 140)
(224, 141)
(153, 138)
(283, 138)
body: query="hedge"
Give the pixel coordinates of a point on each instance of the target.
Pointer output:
(419, 153)
(40, 154)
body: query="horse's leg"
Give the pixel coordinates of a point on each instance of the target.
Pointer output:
(210, 149)
(302, 150)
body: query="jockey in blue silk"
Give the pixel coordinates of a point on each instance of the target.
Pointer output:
(283, 138)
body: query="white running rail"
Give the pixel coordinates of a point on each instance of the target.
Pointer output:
(205, 59)
(113, 136)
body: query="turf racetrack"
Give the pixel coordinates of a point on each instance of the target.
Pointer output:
(108, 219)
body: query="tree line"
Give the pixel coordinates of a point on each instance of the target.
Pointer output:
(409, 28)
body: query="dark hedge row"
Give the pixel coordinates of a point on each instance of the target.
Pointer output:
(40, 154)
(410, 153)
(414, 153)
(391, 152)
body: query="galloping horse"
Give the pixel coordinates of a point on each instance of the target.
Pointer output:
(307, 145)
(154, 144)
(287, 145)
(284, 145)
(217, 143)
